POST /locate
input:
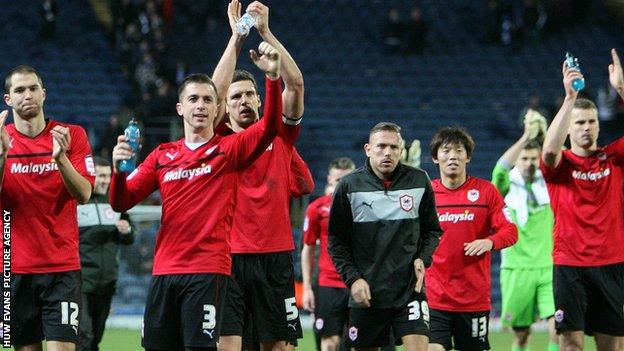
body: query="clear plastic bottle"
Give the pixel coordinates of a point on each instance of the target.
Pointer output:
(244, 24)
(572, 62)
(133, 133)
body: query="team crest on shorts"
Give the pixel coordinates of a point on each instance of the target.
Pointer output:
(319, 324)
(473, 195)
(508, 317)
(353, 333)
(559, 316)
(407, 203)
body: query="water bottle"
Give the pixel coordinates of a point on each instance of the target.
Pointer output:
(572, 62)
(244, 24)
(133, 134)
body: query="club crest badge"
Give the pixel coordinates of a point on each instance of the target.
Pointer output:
(319, 324)
(473, 195)
(559, 316)
(353, 333)
(407, 203)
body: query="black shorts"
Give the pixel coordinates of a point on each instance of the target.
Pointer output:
(332, 311)
(45, 306)
(260, 302)
(370, 327)
(589, 299)
(460, 330)
(183, 310)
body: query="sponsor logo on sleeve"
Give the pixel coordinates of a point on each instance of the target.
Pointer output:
(90, 165)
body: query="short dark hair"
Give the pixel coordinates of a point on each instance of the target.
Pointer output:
(532, 144)
(21, 69)
(585, 104)
(196, 78)
(241, 75)
(386, 127)
(451, 135)
(341, 163)
(101, 161)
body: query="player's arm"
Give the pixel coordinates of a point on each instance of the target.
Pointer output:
(301, 181)
(76, 183)
(253, 141)
(340, 231)
(510, 156)
(311, 233)
(4, 144)
(500, 173)
(293, 94)
(505, 232)
(222, 76)
(558, 129)
(128, 190)
(616, 77)
(430, 230)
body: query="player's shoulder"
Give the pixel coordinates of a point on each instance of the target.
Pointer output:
(416, 173)
(481, 184)
(320, 201)
(436, 183)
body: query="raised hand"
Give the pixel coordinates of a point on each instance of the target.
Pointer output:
(267, 58)
(61, 140)
(121, 151)
(616, 78)
(569, 76)
(4, 136)
(234, 14)
(262, 21)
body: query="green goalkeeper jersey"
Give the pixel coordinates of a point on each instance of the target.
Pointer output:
(535, 237)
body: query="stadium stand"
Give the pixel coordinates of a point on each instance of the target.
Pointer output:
(350, 82)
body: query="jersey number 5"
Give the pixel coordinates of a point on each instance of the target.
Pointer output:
(291, 309)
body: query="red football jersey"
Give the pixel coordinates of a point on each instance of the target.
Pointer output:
(197, 189)
(301, 180)
(44, 226)
(315, 227)
(262, 214)
(475, 210)
(586, 197)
